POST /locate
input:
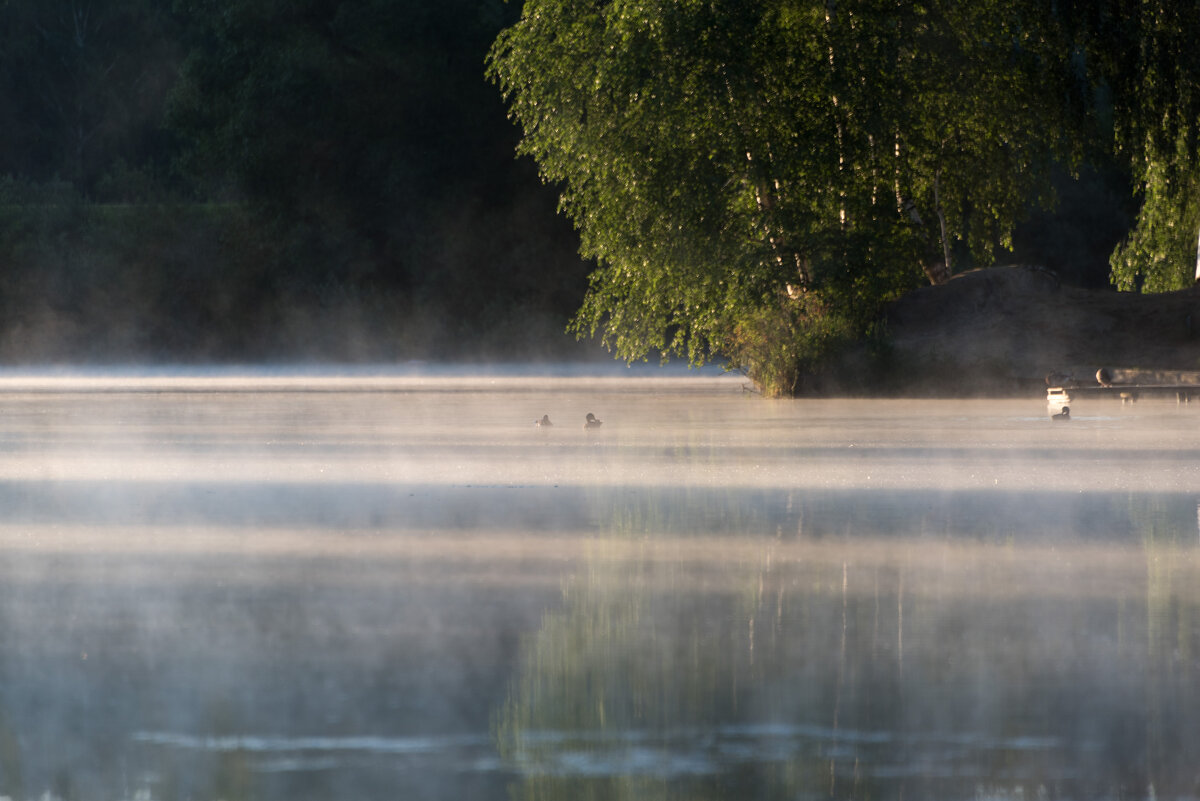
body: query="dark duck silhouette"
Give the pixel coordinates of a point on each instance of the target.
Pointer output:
(591, 421)
(544, 422)
(1062, 416)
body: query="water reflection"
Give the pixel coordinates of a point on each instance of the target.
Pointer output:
(413, 592)
(855, 667)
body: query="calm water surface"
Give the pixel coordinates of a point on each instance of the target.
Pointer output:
(252, 588)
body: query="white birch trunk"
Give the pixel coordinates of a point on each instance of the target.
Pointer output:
(1198, 258)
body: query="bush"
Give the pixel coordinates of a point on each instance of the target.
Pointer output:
(783, 347)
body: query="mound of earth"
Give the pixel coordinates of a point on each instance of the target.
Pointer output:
(1003, 330)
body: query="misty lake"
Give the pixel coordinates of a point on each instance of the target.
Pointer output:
(385, 587)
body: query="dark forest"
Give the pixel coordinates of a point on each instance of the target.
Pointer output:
(264, 181)
(260, 181)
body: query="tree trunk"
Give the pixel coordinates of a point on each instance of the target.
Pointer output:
(939, 273)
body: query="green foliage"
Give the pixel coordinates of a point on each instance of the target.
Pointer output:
(781, 345)
(1160, 253)
(1143, 57)
(716, 157)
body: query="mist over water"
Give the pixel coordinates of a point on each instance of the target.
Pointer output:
(398, 586)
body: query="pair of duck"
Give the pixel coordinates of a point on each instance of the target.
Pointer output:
(590, 422)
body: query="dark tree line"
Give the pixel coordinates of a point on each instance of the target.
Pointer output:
(261, 179)
(84, 87)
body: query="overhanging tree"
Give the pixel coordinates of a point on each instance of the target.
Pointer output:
(754, 178)
(1143, 55)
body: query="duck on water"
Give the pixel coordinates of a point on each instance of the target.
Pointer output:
(590, 422)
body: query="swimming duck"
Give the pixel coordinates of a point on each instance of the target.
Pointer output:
(591, 421)
(1064, 415)
(544, 422)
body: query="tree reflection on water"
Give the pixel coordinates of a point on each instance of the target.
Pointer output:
(412, 592)
(925, 665)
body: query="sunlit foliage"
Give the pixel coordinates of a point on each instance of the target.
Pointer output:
(720, 158)
(1161, 252)
(1144, 55)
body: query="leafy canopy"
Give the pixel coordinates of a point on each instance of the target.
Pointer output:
(727, 162)
(1144, 56)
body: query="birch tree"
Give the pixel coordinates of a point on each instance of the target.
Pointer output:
(1144, 56)
(753, 178)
